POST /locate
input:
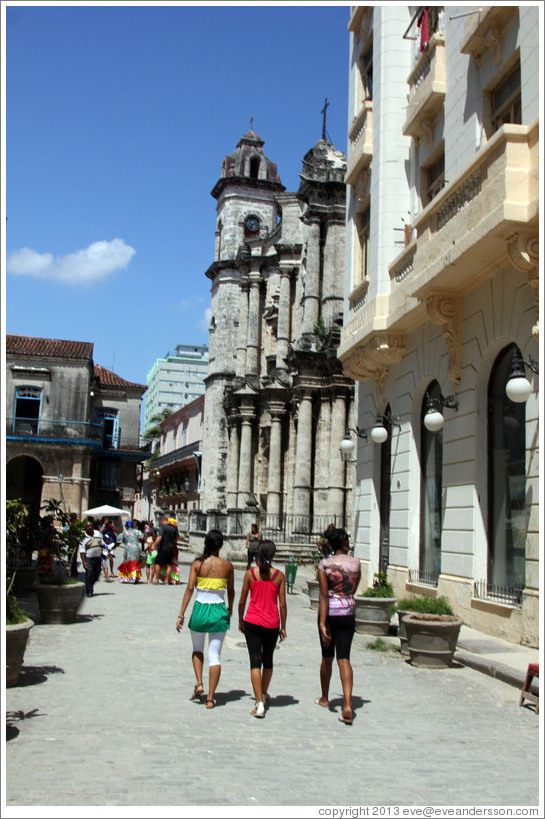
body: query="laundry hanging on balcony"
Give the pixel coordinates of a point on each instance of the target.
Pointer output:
(424, 30)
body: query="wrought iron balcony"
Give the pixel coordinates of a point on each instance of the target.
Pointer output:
(177, 455)
(60, 430)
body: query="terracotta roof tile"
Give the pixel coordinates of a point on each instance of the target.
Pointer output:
(50, 347)
(109, 379)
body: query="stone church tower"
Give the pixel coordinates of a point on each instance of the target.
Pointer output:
(277, 403)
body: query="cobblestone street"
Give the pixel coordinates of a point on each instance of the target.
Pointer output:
(102, 717)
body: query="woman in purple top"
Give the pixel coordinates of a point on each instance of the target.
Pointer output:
(338, 576)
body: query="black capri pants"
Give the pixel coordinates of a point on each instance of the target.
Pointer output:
(261, 643)
(341, 628)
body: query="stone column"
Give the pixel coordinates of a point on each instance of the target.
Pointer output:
(301, 489)
(322, 456)
(242, 330)
(233, 459)
(254, 322)
(284, 310)
(274, 490)
(245, 460)
(333, 272)
(311, 296)
(336, 463)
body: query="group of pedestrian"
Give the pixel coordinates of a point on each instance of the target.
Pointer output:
(263, 622)
(142, 544)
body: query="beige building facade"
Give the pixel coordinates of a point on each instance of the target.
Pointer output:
(442, 305)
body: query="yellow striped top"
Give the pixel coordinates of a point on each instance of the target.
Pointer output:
(211, 582)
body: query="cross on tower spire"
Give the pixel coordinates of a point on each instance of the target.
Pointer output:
(324, 112)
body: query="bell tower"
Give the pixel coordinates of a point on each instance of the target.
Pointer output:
(245, 194)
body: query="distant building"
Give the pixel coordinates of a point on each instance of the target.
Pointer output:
(175, 380)
(171, 481)
(72, 427)
(277, 402)
(441, 305)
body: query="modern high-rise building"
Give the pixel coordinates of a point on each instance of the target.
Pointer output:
(441, 325)
(175, 380)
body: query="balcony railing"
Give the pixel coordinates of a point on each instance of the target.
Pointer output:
(72, 432)
(361, 143)
(458, 237)
(427, 82)
(47, 428)
(177, 455)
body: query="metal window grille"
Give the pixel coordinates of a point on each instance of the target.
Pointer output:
(500, 594)
(425, 578)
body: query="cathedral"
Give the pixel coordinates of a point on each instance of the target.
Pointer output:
(277, 403)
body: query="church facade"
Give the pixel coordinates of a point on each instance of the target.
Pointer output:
(277, 402)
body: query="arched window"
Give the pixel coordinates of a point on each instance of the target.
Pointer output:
(506, 484)
(431, 470)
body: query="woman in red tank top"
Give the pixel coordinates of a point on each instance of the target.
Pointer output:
(265, 620)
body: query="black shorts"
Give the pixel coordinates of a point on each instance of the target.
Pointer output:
(341, 629)
(164, 555)
(261, 643)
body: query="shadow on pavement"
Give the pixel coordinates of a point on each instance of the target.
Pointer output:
(281, 700)
(35, 674)
(357, 702)
(87, 618)
(222, 698)
(18, 716)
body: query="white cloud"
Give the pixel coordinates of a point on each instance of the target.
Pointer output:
(91, 264)
(205, 321)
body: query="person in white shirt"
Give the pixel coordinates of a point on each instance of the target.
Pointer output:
(90, 551)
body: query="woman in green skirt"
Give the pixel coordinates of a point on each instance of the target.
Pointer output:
(212, 576)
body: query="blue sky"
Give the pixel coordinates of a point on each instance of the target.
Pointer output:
(117, 120)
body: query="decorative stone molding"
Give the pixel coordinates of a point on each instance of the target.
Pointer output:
(523, 251)
(444, 309)
(372, 360)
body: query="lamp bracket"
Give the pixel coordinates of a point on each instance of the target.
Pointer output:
(394, 420)
(450, 401)
(532, 364)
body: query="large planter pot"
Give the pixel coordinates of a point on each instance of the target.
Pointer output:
(23, 582)
(432, 639)
(402, 631)
(16, 640)
(313, 588)
(59, 604)
(373, 614)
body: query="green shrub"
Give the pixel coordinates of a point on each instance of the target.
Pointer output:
(381, 587)
(425, 605)
(14, 613)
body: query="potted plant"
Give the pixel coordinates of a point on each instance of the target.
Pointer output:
(58, 538)
(18, 625)
(432, 636)
(20, 523)
(421, 605)
(374, 606)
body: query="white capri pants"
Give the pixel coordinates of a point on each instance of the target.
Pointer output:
(215, 643)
